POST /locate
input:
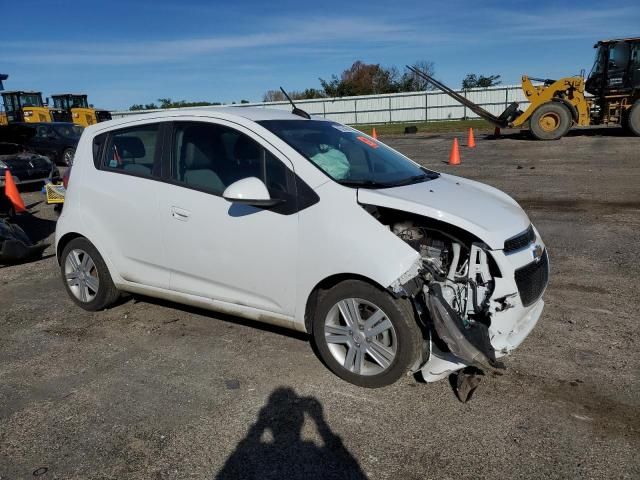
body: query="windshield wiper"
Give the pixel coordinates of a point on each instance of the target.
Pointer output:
(415, 179)
(365, 183)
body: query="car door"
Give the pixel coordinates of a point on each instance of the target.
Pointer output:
(229, 252)
(45, 142)
(123, 201)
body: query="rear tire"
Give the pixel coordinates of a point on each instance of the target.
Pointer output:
(377, 345)
(67, 157)
(632, 121)
(550, 121)
(86, 276)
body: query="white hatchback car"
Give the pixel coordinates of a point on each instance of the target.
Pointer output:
(307, 224)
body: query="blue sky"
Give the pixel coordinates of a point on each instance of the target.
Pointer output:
(123, 52)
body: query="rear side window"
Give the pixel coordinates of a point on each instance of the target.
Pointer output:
(133, 151)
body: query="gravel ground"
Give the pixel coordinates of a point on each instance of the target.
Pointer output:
(150, 389)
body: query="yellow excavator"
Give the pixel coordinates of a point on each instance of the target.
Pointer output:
(557, 105)
(71, 107)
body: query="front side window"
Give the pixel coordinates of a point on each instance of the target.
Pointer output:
(619, 55)
(133, 151)
(211, 157)
(348, 156)
(79, 101)
(42, 131)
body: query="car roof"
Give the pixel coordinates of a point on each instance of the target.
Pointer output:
(228, 112)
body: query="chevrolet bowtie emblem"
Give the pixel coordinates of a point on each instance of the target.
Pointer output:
(537, 252)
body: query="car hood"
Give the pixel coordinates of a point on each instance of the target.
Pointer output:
(488, 213)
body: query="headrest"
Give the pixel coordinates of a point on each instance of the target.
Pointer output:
(129, 147)
(197, 154)
(246, 149)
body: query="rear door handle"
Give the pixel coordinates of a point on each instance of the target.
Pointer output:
(180, 214)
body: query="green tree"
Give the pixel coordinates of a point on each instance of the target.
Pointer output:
(480, 81)
(368, 79)
(410, 82)
(169, 103)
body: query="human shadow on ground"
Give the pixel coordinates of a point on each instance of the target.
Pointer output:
(274, 448)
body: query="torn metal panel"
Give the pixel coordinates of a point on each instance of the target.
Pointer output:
(403, 285)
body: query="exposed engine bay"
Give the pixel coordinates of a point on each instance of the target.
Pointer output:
(452, 291)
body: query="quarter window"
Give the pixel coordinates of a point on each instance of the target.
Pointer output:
(211, 157)
(133, 151)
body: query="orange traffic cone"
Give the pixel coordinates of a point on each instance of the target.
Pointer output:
(454, 156)
(374, 134)
(11, 191)
(471, 142)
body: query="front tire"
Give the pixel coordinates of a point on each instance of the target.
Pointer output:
(364, 335)
(550, 121)
(86, 276)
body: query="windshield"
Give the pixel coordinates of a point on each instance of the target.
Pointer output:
(60, 102)
(69, 131)
(30, 100)
(347, 155)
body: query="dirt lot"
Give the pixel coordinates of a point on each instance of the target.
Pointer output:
(154, 390)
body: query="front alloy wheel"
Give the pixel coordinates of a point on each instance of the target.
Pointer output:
(360, 336)
(364, 335)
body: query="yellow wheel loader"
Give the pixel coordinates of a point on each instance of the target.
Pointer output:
(75, 108)
(20, 106)
(557, 105)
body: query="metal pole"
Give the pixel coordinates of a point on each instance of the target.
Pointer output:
(426, 106)
(464, 112)
(390, 110)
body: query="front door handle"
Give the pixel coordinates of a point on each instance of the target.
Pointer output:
(180, 214)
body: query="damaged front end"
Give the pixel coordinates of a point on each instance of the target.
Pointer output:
(467, 297)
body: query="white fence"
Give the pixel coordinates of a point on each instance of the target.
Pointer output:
(396, 107)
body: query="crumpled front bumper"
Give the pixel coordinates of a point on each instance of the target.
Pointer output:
(441, 364)
(511, 320)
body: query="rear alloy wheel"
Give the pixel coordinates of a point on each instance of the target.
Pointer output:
(67, 156)
(86, 277)
(550, 121)
(364, 335)
(633, 119)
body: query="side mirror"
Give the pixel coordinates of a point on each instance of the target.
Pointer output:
(250, 191)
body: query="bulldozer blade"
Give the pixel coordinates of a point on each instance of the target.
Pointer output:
(477, 109)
